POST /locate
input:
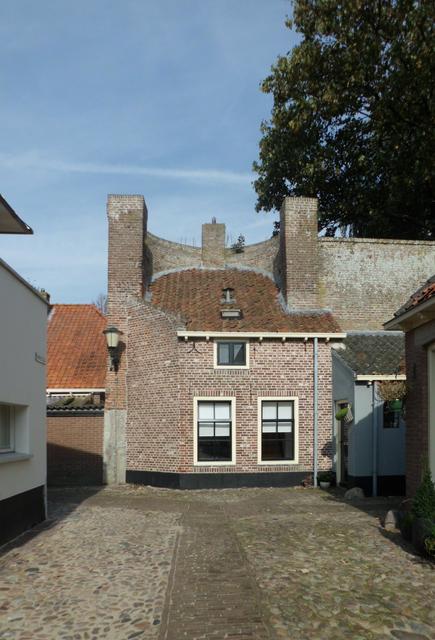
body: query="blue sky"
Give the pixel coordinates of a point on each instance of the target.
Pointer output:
(158, 97)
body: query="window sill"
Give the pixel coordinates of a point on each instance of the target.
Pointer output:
(231, 367)
(14, 456)
(275, 463)
(214, 463)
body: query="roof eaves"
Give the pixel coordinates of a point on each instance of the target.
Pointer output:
(24, 282)
(336, 354)
(413, 317)
(22, 226)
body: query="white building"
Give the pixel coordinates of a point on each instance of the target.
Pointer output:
(23, 320)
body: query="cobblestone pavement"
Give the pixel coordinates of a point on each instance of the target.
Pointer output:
(257, 564)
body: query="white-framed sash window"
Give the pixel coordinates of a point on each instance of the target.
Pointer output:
(214, 431)
(278, 430)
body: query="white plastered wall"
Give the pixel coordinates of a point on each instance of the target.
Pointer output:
(23, 321)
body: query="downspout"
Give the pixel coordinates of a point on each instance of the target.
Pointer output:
(375, 442)
(315, 407)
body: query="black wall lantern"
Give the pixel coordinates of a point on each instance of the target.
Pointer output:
(112, 337)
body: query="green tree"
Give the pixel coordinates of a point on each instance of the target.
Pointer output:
(423, 505)
(353, 117)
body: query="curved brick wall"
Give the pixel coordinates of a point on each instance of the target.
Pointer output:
(363, 281)
(164, 255)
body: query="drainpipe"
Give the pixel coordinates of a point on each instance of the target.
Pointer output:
(315, 406)
(375, 442)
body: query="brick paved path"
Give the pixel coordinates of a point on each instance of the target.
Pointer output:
(256, 564)
(213, 593)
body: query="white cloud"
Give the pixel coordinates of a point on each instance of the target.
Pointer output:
(31, 160)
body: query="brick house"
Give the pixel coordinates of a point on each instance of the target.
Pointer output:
(225, 372)
(76, 371)
(417, 319)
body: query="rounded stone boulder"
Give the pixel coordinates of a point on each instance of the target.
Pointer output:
(356, 493)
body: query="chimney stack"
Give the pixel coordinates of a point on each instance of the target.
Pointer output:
(213, 244)
(299, 252)
(127, 216)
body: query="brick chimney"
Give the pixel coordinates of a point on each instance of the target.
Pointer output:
(213, 244)
(127, 217)
(299, 252)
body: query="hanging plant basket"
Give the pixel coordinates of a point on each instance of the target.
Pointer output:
(342, 413)
(392, 391)
(345, 414)
(395, 405)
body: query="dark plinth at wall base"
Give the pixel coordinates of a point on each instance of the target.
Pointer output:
(21, 512)
(215, 480)
(387, 485)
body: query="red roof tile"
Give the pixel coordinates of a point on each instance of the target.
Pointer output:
(76, 347)
(196, 295)
(426, 292)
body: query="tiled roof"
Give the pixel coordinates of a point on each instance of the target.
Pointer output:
(75, 404)
(426, 292)
(76, 347)
(380, 353)
(196, 295)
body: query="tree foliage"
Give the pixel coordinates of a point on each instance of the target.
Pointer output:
(423, 505)
(353, 117)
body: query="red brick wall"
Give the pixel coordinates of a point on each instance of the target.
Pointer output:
(417, 422)
(75, 450)
(153, 419)
(166, 373)
(127, 216)
(276, 369)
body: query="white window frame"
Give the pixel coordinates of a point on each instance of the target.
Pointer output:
(10, 449)
(230, 366)
(295, 401)
(213, 463)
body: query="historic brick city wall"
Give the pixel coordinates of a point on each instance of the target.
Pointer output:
(165, 255)
(365, 281)
(75, 450)
(417, 419)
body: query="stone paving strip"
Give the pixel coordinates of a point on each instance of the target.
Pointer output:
(244, 564)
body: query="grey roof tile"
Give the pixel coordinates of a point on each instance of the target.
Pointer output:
(381, 353)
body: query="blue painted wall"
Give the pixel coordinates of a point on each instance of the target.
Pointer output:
(391, 442)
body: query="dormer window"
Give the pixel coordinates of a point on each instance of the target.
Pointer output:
(229, 299)
(231, 313)
(228, 296)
